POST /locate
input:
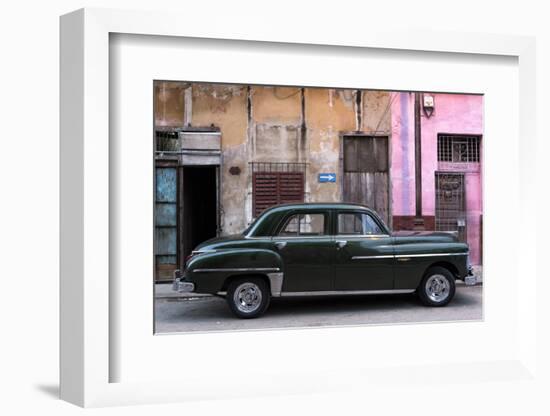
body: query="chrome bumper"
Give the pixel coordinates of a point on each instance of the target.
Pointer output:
(470, 279)
(181, 286)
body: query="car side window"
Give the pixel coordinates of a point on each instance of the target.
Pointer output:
(356, 223)
(304, 225)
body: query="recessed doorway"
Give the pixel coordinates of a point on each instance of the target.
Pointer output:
(199, 214)
(186, 213)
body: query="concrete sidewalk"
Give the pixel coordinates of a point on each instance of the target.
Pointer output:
(211, 313)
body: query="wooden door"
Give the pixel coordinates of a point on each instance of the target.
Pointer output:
(366, 173)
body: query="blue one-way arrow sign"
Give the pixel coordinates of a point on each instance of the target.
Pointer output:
(327, 177)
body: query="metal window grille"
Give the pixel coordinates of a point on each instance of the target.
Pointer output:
(275, 183)
(458, 148)
(168, 138)
(167, 141)
(450, 203)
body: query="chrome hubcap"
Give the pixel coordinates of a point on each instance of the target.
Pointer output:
(437, 287)
(247, 297)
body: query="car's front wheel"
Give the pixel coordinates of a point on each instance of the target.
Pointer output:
(248, 297)
(437, 287)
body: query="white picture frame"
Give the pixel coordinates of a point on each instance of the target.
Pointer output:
(89, 298)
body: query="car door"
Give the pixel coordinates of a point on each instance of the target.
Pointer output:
(364, 253)
(307, 249)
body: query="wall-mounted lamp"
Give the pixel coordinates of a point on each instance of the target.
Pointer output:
(428, 104)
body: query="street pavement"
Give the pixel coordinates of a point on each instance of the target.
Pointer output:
(176, 313)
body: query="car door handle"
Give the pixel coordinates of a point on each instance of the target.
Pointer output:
(341, 244)
(280, 245)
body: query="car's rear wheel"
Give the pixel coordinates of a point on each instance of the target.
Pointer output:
(248, 297)
(437, 288)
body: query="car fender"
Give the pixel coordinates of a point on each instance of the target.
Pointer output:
(210, 270)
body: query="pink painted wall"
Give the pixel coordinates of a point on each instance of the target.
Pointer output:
(402, 154)
(453, 114)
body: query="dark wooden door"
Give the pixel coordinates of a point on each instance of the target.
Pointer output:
(366, 173)
(450, 203)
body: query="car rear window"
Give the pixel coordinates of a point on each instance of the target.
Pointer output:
(357, 223)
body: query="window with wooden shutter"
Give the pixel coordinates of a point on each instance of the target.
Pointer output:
(276, 183)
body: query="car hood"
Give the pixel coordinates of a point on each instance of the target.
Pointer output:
(220, 240)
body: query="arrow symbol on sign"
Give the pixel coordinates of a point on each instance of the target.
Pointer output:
(328, 177)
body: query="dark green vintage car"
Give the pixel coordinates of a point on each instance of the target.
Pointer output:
(323, 249)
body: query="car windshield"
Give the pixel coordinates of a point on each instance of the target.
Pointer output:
(247, 229)
(254, 221)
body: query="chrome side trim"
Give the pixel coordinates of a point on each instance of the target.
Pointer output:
(280, 237)
(238, 269)
(328, 236)
(406, 256)
(360, 235)
(299, 237)
(276, 283)
(397, 256)
(385, 256)
(347, 292)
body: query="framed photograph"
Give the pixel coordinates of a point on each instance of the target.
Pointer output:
(280, 214)
(303, 200)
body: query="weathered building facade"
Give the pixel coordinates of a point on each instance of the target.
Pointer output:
(226, 152)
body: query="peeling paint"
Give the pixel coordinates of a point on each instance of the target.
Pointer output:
(224, 107)
(234, 190)
(376, 112)
(277, 105)
(169, 103)
(347, 97)
(271, 124)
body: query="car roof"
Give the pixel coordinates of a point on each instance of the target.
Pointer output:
(318, 205)
(268, 219)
